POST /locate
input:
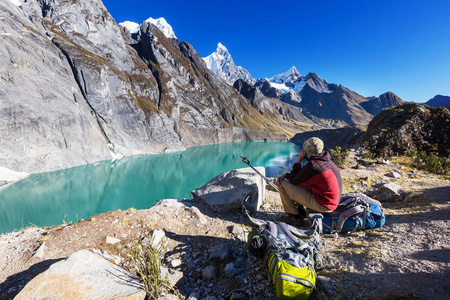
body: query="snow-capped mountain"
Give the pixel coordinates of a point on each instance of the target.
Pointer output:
(132, 27)
(222, 64)
(289, 82)
(161, 23)
(286, 82)
(290, 75)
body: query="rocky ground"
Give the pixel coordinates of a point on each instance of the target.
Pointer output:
(409, 258)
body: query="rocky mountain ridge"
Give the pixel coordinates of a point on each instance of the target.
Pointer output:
(330, 104)
(77, 88)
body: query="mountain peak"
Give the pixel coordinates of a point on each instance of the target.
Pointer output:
(220, 46)
(222, 64)
(132, 27)
(439, 100)
(290, 75)
(222, 52)
(162, 25)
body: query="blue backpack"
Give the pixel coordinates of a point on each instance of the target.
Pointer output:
(355, 211)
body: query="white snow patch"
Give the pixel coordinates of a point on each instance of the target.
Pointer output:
(162, 25)
(280, 86)
(115, 155)
(132, 27)
(10, 175)
(16, 2)
(290, 75)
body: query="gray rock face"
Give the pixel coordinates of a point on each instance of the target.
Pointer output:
(175, 277)
(220, 253)
(229, 190)
(44, 121)
(70, 85)
(84, 275)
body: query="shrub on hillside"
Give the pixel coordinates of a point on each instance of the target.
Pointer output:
(431, 162)
(339, 156)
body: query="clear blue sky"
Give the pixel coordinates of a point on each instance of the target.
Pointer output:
(369, 46)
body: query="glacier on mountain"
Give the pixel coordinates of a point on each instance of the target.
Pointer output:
(222, 64)
(16, 2)
(290, 75)
(132, 27)
(291, 80)
(160, 23)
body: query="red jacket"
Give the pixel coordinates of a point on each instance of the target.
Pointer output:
(322, 176)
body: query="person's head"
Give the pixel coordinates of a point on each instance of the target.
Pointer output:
(313, 146)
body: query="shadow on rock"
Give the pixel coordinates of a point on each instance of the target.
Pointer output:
(15, 283)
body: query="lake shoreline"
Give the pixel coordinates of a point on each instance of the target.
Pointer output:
(45, 199)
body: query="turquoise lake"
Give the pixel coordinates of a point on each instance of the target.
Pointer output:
(77, 193)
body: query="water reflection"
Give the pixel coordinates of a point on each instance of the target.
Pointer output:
(77, 193)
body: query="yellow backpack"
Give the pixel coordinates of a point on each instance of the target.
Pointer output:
(290, 260)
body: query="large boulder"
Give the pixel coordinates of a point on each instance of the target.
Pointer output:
(84, 275)
(229, 190)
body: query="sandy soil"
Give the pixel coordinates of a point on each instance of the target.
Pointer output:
(409, 258)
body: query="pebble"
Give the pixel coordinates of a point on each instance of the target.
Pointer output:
(175, 263)
(112, 240)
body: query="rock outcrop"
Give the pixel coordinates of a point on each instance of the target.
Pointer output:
(408, 128)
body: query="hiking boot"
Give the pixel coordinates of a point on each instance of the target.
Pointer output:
(302, 212)
(294, 220)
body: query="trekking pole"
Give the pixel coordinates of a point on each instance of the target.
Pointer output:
(245, 160)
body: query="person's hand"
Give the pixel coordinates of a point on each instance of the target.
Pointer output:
(279, 179)
(301, 156)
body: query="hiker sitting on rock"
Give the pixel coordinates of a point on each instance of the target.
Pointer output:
(317, 185)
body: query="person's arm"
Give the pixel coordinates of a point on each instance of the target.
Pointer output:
(295, 168)
(301, 156)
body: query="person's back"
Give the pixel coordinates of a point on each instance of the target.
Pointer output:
(323, 178)
(317, 185)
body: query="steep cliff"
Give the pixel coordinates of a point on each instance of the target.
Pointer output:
(76, 88)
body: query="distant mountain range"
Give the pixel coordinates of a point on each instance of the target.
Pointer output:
(332, 104)
(439, 101)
